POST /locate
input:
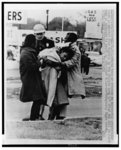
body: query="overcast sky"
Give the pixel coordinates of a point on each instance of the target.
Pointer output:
(38, 11)
(71, 11)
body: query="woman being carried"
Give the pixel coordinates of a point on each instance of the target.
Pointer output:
(51, 60)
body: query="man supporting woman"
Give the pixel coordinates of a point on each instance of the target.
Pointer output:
(70, 83)
(33, 88)
(51, 60)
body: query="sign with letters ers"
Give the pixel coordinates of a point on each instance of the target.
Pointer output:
(16, 16)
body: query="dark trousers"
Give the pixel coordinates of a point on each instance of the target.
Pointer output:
(35, 109)
(86, 70)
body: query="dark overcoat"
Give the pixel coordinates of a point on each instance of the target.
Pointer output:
(32, 84)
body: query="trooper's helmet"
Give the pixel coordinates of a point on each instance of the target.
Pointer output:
(39, 31)
(39, 28)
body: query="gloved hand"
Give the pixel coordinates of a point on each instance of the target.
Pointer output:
(38, 63)
(42, 62)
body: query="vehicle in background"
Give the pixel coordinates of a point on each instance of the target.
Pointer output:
(92, 47)
(95, 58)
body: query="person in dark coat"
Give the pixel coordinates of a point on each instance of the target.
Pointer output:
(85, 62)
(32, 84)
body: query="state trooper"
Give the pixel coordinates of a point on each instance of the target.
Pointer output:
(42, 41)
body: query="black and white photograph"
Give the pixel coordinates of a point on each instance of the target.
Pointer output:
(59, 63)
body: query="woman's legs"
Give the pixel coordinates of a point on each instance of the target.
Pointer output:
(51, 86)
(53, 112)
(49, 76)
(59, 107)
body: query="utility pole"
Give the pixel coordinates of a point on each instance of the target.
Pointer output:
(62, 23)
(47, 12)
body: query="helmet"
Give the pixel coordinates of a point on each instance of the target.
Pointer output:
(39, 28)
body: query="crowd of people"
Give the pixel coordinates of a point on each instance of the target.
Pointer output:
(50, 75)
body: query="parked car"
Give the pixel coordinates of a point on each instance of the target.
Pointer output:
(95, 57)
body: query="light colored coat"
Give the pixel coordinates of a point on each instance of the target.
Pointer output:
(50, 74)
(75, 80)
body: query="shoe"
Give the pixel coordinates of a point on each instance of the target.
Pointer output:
(60, 118)
(26, 119)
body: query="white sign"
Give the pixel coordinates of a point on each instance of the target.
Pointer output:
(57, 36)
(93, 24)
(16, 16)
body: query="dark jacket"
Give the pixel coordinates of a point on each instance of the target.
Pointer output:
(85, 61)
(44, 43)
(32, 85)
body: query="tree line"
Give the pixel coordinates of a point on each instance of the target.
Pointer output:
(56, 25)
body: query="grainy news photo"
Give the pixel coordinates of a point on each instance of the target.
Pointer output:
(59, 74)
